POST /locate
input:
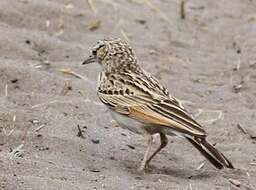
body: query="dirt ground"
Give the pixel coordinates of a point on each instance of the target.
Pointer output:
(207, 59)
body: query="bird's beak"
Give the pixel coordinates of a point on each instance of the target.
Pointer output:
(91, 59)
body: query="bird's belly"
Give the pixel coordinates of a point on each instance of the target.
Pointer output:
(128, 123)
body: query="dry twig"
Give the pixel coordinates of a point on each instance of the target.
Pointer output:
(80, 132)
(241, 128)
(182, 10)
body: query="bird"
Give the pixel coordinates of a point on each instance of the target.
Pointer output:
(138, 102)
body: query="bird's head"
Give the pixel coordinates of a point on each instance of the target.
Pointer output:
(111, 52)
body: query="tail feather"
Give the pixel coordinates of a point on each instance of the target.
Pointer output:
(210, 152)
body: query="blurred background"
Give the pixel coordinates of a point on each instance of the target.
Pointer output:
(54, 132)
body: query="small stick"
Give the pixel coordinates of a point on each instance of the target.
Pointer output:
(40, 127)
(182, 10)
(241, 128)
(80, 132)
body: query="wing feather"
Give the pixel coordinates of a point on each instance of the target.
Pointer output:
(149, 103)
(154, 113)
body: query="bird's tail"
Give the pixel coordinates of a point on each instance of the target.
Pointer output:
(211, 153)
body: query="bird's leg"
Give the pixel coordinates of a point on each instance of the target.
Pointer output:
(164, 142)
(149, 139)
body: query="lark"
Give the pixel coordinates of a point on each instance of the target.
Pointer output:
(138, 102)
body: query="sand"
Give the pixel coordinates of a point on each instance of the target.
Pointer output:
(207, 60)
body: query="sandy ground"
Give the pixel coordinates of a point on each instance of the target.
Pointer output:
(207, 60)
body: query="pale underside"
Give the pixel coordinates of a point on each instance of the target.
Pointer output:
(141, 104)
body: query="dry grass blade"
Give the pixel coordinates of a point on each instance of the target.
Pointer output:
(70, 72)
(200, 166)
(125, 35)
(51, 102)
(92, 5)
(40, 127)
(6, 90)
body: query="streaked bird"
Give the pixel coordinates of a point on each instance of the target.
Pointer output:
(138, 102)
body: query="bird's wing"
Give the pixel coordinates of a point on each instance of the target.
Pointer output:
(148, 102)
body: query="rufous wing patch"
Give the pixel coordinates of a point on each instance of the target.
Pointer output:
(148, 116)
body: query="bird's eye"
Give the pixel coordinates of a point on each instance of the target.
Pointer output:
(97, 48)
(94, 52)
